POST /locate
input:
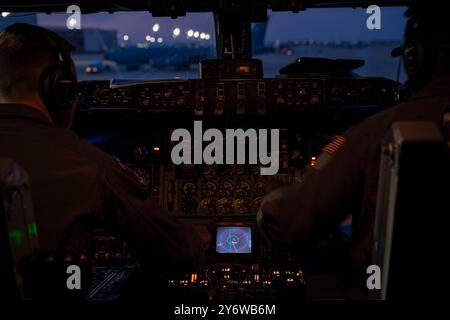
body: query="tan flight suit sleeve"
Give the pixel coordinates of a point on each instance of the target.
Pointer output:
(301, 212)
(158, 239)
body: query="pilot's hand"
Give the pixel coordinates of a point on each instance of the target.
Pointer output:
(204, 235)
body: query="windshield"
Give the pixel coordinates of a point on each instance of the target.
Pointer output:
(135, 45)
(335, 33)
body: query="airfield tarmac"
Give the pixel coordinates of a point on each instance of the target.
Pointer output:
(377, 56)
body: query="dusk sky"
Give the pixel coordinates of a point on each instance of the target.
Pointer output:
(318, 24)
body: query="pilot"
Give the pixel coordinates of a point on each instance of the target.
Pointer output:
(76, 187)
(345, 178)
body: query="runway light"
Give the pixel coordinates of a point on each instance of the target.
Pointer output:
(152, 39)
(155, 27)
(88, 69)
(147, 37)
(190, 33)
(196, 34)
(202, 35)
(5, 14)
(176, 32)
(207, 36)
(94, 69)
(126, 37)
(160, 40)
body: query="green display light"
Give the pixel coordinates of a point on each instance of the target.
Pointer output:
(32, 230)
(16, 237)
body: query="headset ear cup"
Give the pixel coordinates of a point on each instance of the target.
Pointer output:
(65, 85)
(57, 88)
(420, 60)
(46, 87)
(411, 60)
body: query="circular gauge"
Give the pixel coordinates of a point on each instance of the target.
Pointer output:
(241, 206)
(208, 206)
(235, 170)
(229, 169)
(255, 204)
(259, 188)
(140, 153)
(240, 170)
(243, 189)
(227, 188)
(189, 188)
(189, 206)
(209, 172)
(256, 171)
(209, 189)
(142, 175)
(225, 205)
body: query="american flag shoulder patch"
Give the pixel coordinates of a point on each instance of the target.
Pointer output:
(337, 143)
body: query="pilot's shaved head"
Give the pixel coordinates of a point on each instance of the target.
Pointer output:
(24, 54)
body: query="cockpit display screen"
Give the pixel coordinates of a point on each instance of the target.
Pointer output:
(234, 239)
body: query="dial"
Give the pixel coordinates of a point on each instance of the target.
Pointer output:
(227, 188)
(208, 206)
(209, 172)
(189, 206)
(256, 171)
(255, 204)
(225, 205)
(189, 188)
(259, 188)
(229, 169)
(235, 170)
(243, 189)
(143, 176)
(240, 170)
(209, 189)
(241, 206)
(140, 153)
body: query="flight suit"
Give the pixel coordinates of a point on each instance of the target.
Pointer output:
(345, 180)
(77, 188)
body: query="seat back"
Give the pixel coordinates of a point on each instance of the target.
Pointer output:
(410, 243)
(18, 230)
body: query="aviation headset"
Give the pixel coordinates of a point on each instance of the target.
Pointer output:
(57, 83)
(418, 62)
(424, 36)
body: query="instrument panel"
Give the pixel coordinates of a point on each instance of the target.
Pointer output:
(225, 198)
(236, 96)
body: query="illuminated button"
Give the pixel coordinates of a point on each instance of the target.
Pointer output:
(280, 100)
(315, 100)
